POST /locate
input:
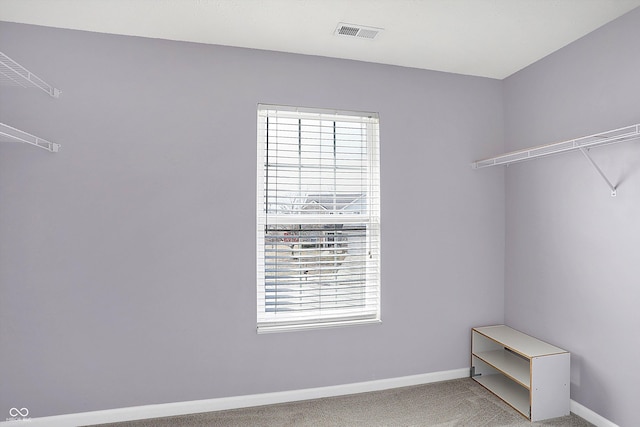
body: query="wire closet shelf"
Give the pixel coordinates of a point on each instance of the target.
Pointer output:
(583, 145)
(627, 133)
(9, 133)
(14, 74)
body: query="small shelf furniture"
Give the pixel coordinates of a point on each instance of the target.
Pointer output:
(530, 375)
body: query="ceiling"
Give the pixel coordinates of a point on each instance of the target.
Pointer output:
(488, 38)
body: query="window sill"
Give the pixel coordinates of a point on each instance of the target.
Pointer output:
(269, 329)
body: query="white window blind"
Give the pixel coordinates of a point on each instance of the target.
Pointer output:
(318, 218)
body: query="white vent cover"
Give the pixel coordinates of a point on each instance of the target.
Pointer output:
(359, 31)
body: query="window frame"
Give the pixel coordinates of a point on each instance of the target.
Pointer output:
(370, 311)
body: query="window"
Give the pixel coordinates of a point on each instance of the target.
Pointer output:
(318, 218)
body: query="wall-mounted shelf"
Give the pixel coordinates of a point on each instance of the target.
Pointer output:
(14, 74)
(583, 144)
(8, 133)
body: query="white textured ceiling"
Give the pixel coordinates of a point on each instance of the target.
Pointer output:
(489, 38)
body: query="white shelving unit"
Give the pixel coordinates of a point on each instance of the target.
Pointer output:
(583, 144)
(14, 74)
(528, 374)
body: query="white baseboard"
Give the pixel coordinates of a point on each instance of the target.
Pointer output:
(209, 405)
(589, 415)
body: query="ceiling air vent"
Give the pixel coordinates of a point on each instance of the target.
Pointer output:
(359, 31)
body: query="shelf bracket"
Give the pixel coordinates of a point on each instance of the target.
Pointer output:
(597, 168)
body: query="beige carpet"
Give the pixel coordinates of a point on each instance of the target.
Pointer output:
(445, 404)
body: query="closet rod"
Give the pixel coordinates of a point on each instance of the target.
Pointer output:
(14, 134)
(586, 142)
(14, 74)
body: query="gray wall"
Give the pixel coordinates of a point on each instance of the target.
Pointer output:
(573, 251)
(127, 260)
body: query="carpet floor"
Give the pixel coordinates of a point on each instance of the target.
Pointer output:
(453, 403)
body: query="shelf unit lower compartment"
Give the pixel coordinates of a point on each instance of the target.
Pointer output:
(510, 391)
